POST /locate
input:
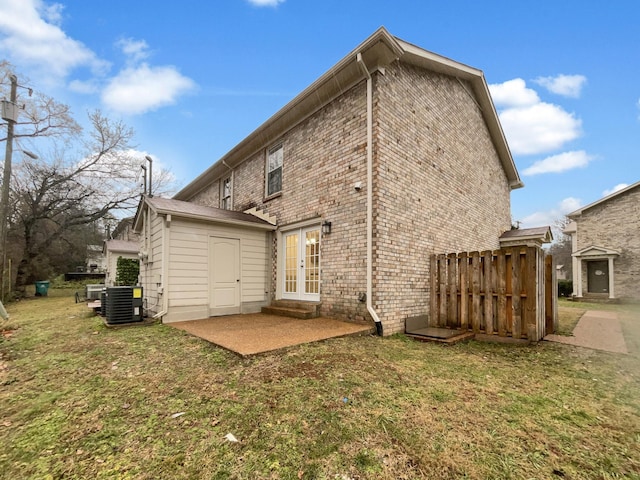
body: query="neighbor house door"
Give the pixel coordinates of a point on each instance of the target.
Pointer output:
(301, 272)
(224, 268)
(598, 276)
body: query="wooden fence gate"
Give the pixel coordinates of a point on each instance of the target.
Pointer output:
(509, 292)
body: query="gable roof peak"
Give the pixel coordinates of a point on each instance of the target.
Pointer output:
(580, 211)
(377, 51)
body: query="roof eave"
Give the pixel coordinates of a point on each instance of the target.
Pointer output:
(379, 49)
(208, 219)
(578, 212)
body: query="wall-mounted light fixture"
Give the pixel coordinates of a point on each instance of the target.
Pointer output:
(326, 227)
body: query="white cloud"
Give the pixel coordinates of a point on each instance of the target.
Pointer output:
(135, 50)
(144, 88)
(551, 217)
(266, 3)
(85, 87)
(559, 163)
(53, 13)
(566, 85)
(30, 35)
(615, 189)
(530, 125)
(539, 128)
(513, 93)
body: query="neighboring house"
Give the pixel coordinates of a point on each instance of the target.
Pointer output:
(392, 155)
(112, 250)
(95, 259)
(561, 272)
(124, 231)
(605, 238)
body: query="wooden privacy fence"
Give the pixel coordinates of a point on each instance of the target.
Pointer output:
(508, 292)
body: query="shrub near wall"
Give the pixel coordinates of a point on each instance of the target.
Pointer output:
(127, 271)
(565, 288)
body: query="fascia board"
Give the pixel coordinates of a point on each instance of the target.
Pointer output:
(379, 49)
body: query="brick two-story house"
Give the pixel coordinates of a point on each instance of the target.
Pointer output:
(605, 238)
(393, 154)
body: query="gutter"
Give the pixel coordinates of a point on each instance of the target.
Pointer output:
(370, 308)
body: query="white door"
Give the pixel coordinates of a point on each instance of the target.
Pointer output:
(301, 272)
(224, 257)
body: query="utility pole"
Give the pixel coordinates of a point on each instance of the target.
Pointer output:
(10, 115)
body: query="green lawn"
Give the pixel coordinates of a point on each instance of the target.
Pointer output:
(80, 400)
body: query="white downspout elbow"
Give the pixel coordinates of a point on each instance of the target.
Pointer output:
(370, 308)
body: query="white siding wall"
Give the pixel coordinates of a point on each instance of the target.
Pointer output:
(189, 276)
(151, 270)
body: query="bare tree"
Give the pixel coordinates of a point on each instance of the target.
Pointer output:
(53, 198)
(40, 115)
(561, 248)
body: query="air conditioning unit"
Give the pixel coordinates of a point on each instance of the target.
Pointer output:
(123, 305)
(93, 291)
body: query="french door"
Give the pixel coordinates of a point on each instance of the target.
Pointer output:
(301, 272)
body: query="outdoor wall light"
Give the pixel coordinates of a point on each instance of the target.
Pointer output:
(326, 228)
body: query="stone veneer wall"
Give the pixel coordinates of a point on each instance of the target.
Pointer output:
(615, 224)
(440, 186)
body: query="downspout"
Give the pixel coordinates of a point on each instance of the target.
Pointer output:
(370, 308)
(165, 268)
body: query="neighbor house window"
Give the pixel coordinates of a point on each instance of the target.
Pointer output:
(225, 193)
(274, 170)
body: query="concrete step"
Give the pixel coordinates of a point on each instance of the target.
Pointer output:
(452, 338)
(304, 314)
(311, 306)
(293, 308)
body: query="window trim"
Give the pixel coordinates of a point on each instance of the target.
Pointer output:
(274, 148)
(222, 197)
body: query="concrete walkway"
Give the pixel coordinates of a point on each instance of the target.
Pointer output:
(598, 330)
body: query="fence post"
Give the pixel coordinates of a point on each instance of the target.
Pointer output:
(475, 292)
(463, 270)
(488, 292)
(501, 281)
(531, 289)
(442, 271)
(433, 294)
(551, 296)
(516, 290)
(452, 317)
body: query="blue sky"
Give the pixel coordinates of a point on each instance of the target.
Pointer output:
(193, 78)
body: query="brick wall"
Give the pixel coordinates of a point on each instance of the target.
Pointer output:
(440, 188)
(440, 185)
(615, 224)
(324, 156)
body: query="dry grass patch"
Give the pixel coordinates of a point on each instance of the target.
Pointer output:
(84, 401)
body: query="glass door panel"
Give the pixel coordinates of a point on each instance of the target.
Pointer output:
(312, 262)
(291, 263)
(301, 269)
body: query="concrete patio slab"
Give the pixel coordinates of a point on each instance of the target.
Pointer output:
(596, 329)
(258, 333)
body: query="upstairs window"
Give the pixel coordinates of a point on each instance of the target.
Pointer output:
(274, 170)
(225, 193)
